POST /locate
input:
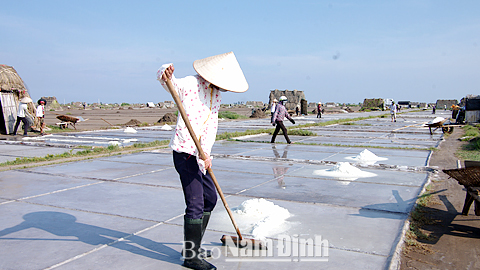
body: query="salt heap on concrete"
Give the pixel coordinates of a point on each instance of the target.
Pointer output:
(366, 157)
(166, 127)
(436, 120)
(130, 130)
(263, 217)
(344, 171)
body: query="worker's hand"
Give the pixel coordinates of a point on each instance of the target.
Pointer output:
(168, 73)
(208, 161)
(293, 121)
(273, 124)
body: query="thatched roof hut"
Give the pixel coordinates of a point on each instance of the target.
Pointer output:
(12, 89)
(10, 80)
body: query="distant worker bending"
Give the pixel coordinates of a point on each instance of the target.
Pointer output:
(277, 119)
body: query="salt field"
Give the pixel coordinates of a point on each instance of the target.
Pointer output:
(348, 191)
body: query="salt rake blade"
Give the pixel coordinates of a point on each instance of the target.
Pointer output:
(243, 243)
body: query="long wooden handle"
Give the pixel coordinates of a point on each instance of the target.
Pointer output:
(177, 100)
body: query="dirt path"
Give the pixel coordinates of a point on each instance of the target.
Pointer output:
(456, 238)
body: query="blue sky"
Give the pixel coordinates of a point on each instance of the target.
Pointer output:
(334, 51)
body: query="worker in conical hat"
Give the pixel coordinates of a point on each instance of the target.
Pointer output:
(201, 96)
(22, 114)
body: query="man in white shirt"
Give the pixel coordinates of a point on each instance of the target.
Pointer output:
(393, 111)
(201, 98)
(22, 116)
(41, 115)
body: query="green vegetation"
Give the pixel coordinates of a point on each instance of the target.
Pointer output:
(470, 151)
(56, 129)
(343, 145)
(353, 123)
(300, 132)
(229, 135)
(109, 150)
(125, 104)
(231, 115)
(471, 132)
(418, 219)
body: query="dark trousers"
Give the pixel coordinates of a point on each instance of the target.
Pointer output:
(25, 125)
(279, 125)
(198, 188)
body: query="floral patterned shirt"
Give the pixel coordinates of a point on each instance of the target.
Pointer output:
(201, 103)
(280, 113)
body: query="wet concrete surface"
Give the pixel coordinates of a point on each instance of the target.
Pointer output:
(126, 212)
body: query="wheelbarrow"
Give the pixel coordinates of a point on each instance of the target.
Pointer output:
(67, 119)
(444, 124)
(470, 178)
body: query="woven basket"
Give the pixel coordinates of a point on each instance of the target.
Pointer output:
(469, 177)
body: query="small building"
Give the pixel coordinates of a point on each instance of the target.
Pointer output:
(52, 103)
(404, 104)
(472, 109)
(445, 103)
(373, 104)
(12, 89)
(414, 104)
(294, 99)
(169, 104)
(422, 105)
(254, 103)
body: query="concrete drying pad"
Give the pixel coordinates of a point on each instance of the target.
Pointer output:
(104, 137)
(12, 151)
(126, 212)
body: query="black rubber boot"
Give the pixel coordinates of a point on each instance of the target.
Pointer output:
(193, 239)
(203, 252)
(206, 217)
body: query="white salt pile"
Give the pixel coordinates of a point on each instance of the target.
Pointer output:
(436, 120)
(130, 130)
(262, 218)
(166, 127)
(344, 171)
(125, 141)
(366, 157)
(117, 143)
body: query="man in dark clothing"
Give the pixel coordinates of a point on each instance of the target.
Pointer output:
(319, 110)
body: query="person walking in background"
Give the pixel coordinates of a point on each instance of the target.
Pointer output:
(393, 111)
(433, 109)
(319, 110)
(41, 114)
(277, 119)
(274, 104)
(201, 98)
(22, 113)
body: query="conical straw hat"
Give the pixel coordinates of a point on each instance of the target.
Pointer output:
(26, 100)
(223, 71)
